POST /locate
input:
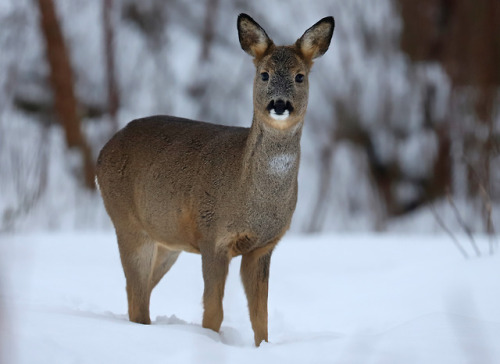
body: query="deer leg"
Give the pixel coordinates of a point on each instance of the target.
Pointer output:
(165, 259)
(215, 266)
(255, 277)
(137, 254)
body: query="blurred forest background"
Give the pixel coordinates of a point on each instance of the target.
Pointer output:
(402, 130)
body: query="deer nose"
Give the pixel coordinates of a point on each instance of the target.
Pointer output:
(280, 106)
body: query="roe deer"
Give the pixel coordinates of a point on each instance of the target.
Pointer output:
(172, 184)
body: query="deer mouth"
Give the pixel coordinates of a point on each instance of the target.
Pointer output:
(277, 116)
(280, 110)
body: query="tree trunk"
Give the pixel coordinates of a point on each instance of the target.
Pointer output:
(209, 29)
(113, 96)
(61, 78)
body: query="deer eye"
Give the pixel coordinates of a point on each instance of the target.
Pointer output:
(264, 76)
(299, 78)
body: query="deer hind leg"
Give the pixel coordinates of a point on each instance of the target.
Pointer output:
(255, 277)
(138, 254)
(215, 266)
(165, 259)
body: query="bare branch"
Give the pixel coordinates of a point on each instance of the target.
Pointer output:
(490, 229)
(489, 223)
(448, 231)
(462, 223)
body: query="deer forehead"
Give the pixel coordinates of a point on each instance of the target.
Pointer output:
(283, 60)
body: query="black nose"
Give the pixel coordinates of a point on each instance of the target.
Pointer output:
(280, 106)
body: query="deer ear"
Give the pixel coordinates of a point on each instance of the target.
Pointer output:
(253, 38)
(316, 40)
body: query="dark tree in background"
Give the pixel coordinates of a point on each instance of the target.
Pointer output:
(464, 37)
(112, 85)
(61, 79)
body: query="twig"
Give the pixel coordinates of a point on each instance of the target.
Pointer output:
(490, 229)
(448, 231)
(489, 224)
(463, 224)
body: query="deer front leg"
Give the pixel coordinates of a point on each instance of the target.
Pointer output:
(215, 267)
(255, 276)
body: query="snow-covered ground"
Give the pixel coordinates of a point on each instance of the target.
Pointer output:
(333, 299)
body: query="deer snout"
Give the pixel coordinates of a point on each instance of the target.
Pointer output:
(280, 109)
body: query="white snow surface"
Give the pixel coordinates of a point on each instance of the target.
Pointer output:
(333, 299)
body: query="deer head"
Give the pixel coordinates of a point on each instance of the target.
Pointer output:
(281, 85)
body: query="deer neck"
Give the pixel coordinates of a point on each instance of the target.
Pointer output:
(272, 156)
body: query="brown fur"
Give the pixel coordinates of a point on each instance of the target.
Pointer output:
(172, 185)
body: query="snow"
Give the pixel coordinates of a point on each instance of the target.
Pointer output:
(337, 298)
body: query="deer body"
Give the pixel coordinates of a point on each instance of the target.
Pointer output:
(172, 185)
